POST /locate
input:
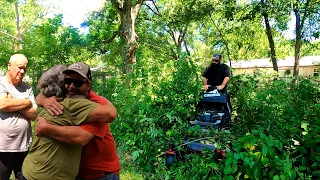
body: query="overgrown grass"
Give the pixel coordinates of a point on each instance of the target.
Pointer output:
(129, 171)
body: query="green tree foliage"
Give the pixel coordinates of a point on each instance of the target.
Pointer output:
(51, 43)
(17, 19)
(104, 37)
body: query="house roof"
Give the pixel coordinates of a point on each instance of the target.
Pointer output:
(287, 62)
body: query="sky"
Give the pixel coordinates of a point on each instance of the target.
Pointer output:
(74, 11)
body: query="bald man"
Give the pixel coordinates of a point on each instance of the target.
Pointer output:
(17, 108)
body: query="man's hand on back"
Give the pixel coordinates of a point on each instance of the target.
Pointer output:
(40, 126)
(52, 105)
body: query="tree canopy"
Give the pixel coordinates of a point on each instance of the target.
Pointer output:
(160, 30)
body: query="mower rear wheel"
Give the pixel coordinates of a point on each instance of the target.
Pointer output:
(169, 160)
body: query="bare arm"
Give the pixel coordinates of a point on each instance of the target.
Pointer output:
(74, 134)
(205, 83)
(103, 113)
(29, 113)
(65, 134)
(13, 105)
(224, 83)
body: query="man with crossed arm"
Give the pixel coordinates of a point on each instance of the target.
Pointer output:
(17, 108)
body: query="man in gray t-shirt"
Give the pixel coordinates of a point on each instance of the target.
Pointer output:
(17, 108)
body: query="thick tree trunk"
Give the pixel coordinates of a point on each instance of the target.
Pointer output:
(18, 46)
(129, 36)
(128, 14)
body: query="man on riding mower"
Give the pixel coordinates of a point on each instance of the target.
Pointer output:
(216, 74)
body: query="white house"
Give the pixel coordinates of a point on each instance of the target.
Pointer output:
(309, 66)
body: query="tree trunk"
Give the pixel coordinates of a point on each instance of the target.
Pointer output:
(271, 42)
(186, 47)
(270, 38)
(178, 38)
(18, 46)
(128, 14)
(299, 31)
(129, 36)
(297, 43)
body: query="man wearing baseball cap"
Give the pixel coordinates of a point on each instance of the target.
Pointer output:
(99, 158)
(216, 74)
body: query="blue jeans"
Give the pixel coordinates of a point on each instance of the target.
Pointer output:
(109, 176)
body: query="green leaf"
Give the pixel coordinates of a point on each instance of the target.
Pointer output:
(302, 168)
(315, 164)
(244, 139)
(264, 149)
(229, 161)
(256, 173)
(227, 170)
(255, 132)
(303, 161)
(278, 144)
(135, 155)
(169, 133)
(265, 160)
(228, 178)
(263, 136)
(237, 156)
(213, 165)
(252, 163)
(246, 161)
(276, 177)
(243, 155)
(305, 126)
(257, 155)
(234, 166)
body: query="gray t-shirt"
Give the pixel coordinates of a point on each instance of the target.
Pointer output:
(15, 130)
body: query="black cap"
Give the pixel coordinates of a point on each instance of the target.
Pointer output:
(217, 55)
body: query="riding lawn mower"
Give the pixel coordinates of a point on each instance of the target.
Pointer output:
(213, 112)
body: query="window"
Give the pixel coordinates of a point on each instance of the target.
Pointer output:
(316, 72)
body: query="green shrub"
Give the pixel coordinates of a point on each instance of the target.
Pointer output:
(156, 102)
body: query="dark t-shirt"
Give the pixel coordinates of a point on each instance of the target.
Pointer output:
(216, 74)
